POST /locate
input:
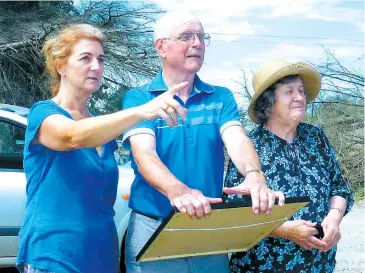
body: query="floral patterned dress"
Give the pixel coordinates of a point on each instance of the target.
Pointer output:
(307, 166)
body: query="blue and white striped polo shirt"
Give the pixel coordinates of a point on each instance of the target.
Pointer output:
(193, 151)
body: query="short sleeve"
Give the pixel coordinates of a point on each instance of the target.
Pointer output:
(339, 185)
(133, 98)
(37, 114)
(229, 115)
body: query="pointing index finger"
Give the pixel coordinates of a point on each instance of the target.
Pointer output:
(176, 88)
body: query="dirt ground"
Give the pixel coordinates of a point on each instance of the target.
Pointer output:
(351, 248)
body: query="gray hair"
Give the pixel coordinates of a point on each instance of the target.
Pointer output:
(264, 105)
(166, 24)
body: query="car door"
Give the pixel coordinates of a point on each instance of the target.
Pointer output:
(12, 188)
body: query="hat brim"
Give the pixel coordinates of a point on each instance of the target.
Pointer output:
(311, 80)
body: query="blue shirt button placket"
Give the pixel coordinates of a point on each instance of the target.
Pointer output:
(189, 133)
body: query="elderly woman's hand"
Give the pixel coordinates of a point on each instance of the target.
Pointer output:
(331, 229)
(165, 106)
(302, 233)
(263, 199)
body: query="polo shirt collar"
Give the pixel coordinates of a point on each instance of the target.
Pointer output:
(158, 85)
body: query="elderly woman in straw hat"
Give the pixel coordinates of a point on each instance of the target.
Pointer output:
(298, 160)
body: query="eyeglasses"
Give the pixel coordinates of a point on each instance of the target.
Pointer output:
(189, 38)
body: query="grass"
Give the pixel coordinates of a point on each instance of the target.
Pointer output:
(359, 196)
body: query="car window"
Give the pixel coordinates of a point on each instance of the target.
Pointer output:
(121, 155)
(11, 145)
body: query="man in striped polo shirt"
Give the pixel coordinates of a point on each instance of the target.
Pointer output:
(181, 163)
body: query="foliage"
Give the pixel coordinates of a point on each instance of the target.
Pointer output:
(339, 111)
(131, 58)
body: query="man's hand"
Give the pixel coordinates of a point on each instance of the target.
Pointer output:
(302, 233)
(263, 199)
(331, 229)
(192, 201)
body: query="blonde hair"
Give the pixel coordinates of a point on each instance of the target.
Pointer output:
(57, 49)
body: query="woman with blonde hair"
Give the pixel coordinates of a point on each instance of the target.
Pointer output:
(69, 161)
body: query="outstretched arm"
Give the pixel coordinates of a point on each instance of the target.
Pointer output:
(60, 133)
(158, 175)
(245, 158)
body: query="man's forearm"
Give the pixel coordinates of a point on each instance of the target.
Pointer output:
(242, 151)
(157, 174)
(245, 159)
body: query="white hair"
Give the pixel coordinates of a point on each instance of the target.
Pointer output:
(169, 21)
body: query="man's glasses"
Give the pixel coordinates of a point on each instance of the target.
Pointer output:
(189, 38)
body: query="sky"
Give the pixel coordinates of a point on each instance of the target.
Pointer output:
(246, 33)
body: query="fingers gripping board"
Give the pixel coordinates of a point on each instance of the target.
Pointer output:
(231, 227)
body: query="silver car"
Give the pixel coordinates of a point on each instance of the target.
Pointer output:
(13, 123)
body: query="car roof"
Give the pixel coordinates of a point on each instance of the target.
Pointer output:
(14, 113)
(19, 110)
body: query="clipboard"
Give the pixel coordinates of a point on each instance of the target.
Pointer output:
(231, 227)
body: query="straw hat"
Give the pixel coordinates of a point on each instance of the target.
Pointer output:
(274, 70)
